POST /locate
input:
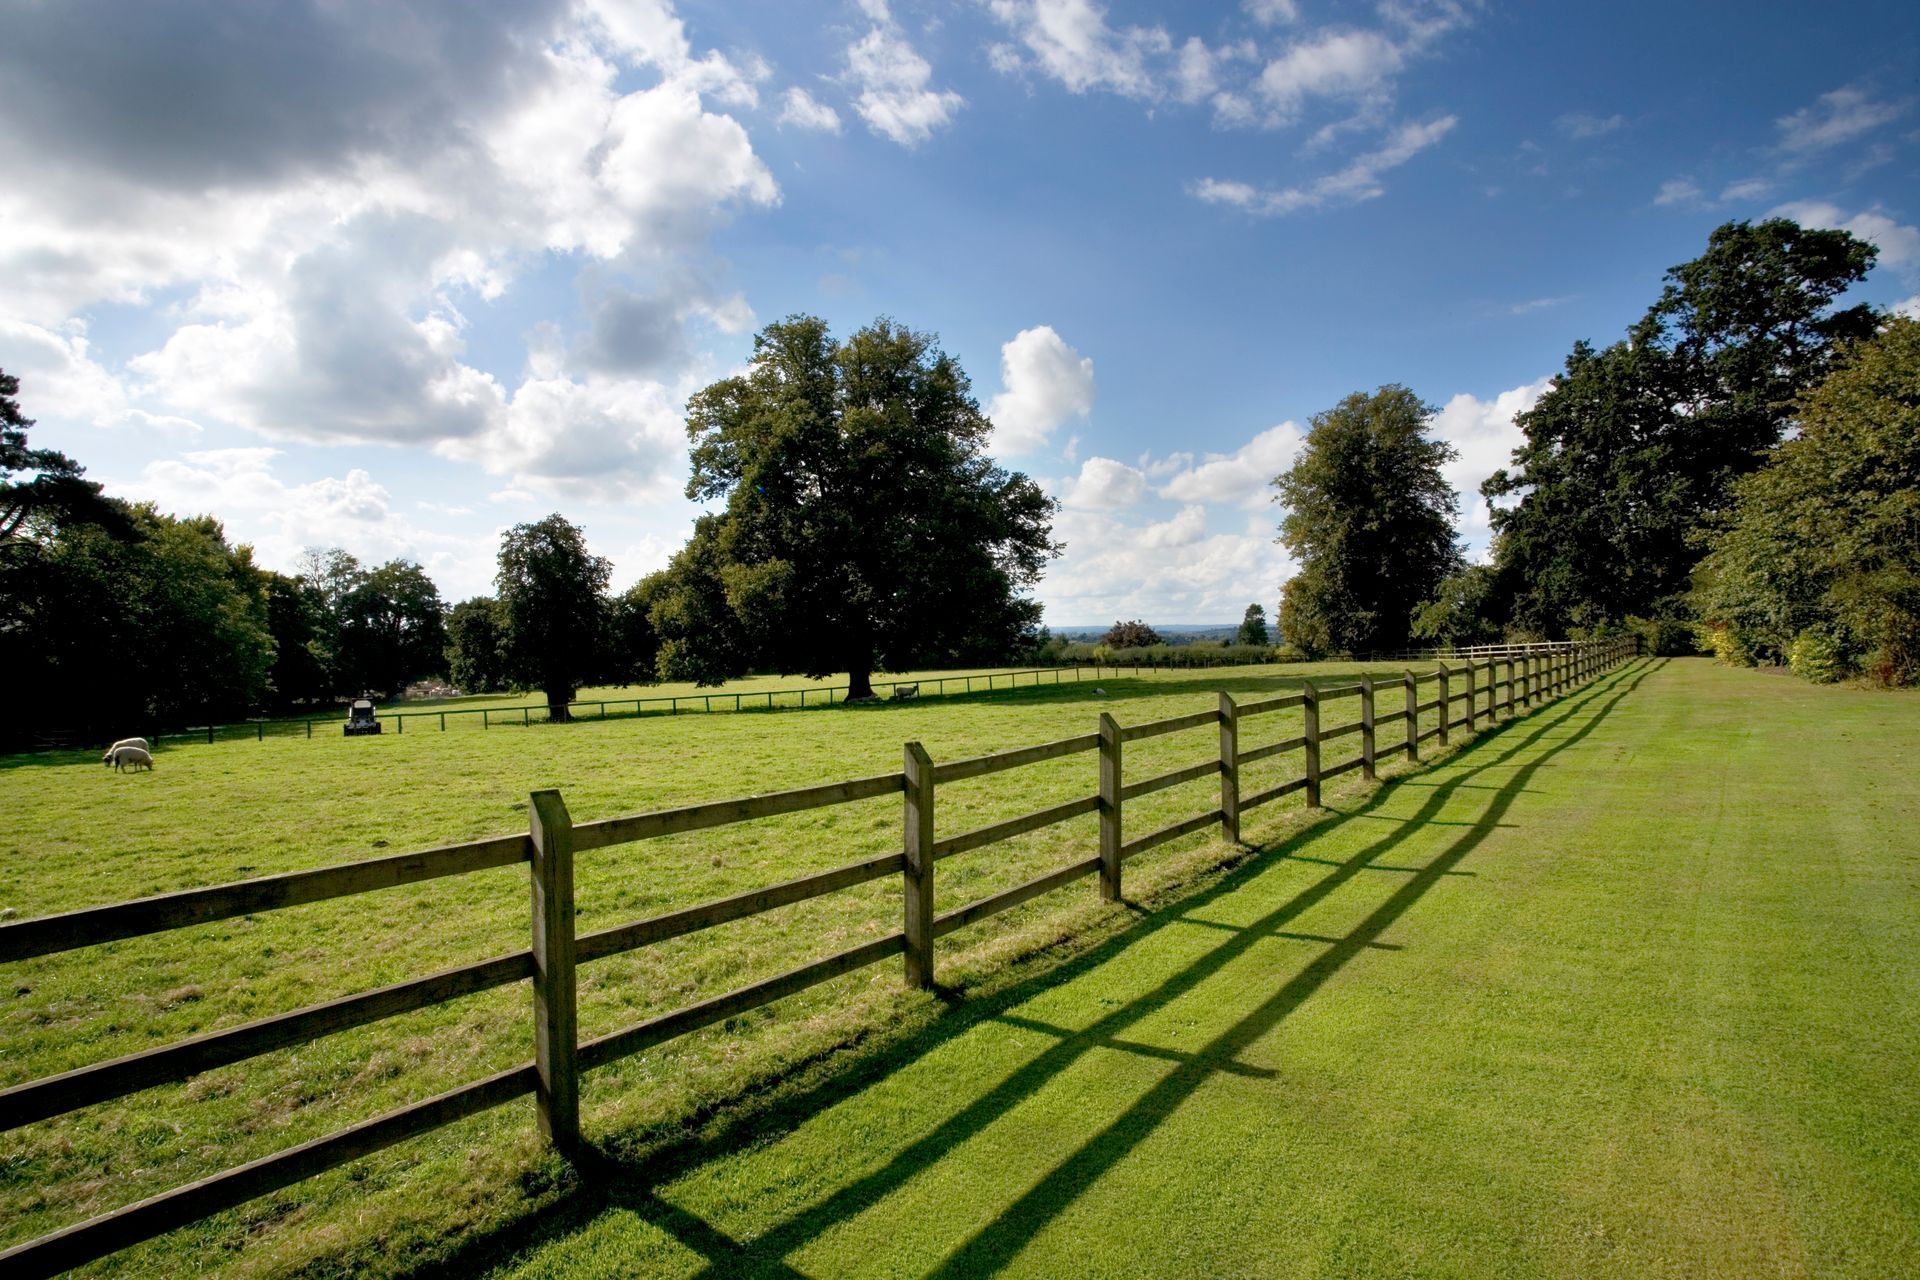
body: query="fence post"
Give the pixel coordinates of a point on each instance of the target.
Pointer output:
(1511, 709)
(1473, 698)
(1366, 728)
(918, 880)
(1310, 717)
(1229, 769)
(1413, 717)
(556, 1023)
(1446, 705)
(1110, 825)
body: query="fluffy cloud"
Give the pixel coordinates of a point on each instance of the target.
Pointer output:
(334, 182)
(1899, 243)
(282, 519)
(1243, 478)
(1483, 433)
(1360, 180)
(893, 86)
(801, 110)
(1046, 382)
(1836, 118)
(1170, 570)
(1105, 484)
(1070, 41)
(1333, 64)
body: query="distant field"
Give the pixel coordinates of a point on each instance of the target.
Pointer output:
(80, 835)
(749, 693)
(1623, 988)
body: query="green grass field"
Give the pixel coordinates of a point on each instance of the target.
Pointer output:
(1625, 987)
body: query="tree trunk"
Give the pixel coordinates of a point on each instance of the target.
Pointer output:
(558, 696)
(859, 683)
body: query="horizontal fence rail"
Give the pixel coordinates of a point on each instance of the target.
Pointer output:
(1508, 682)
(799, 697)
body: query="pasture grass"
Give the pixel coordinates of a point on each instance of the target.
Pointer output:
(80, 835)
(1622, 988)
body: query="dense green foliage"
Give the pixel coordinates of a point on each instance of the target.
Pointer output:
(1818, 562)
(862, 525)
(1253, 627)
(1637, 443)
(114, 635)
(550, 589)
(1463, 610)
(1134, 634)
(1369, 522)
(477, 645)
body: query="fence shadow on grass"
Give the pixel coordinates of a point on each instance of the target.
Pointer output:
(620, 1182)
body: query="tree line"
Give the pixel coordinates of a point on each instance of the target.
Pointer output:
(856, 523)
(1742, 470)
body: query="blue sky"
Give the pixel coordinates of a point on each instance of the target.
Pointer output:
(395, 277)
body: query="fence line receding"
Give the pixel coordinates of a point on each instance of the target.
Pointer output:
(1511, 683)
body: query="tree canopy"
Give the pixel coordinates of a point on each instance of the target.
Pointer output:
(43, 485)
(550, 586)
(1130, 635)
(861, 523)
(1821, 549)
(1369, 522)
(1253, 626)
(1635, 444)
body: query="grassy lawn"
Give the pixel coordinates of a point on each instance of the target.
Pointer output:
(80, 835)
(1626, 987)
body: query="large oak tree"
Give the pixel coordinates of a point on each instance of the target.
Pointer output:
(861, 523)
(1369, 521)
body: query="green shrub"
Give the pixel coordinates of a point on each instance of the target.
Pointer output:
(1730, 647)
(1815, 657)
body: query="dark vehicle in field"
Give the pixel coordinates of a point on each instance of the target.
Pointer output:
(360, 719)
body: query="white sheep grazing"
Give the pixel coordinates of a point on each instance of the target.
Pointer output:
(121, 758)
(141, 743)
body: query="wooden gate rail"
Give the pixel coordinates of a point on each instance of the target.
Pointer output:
(548, 848)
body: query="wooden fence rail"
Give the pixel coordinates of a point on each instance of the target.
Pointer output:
(550, 963)
(699, 703)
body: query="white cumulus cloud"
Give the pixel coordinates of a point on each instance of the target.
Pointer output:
(803, 111)
(893, 87)
(1105, 484)
(1046, 382)
(1243, 478)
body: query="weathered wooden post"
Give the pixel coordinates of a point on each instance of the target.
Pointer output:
(1413, 717)
(556, 1021)
(1473, 702)
(1446, 705)
(1110, 827)
(918, 877)
(1366, 728)
(1229, 769)
(1310, 714)
(1511, 709)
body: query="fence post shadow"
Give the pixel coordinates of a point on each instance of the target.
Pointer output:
(625, 1180)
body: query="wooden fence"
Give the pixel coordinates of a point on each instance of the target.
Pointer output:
(549, 848)
(676, 704)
